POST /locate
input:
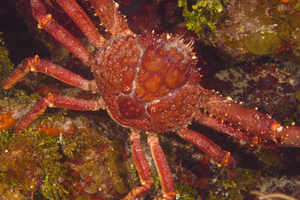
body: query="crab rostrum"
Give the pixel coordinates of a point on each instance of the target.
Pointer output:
(147, 83)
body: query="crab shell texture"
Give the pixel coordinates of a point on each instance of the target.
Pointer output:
(149, 82)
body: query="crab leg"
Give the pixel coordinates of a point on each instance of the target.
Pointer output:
(290, 136)
(162, 166)
(82, 21)
(261, 126)
(217, 124)
(39, 65)
(210, 148)
(56, 101)
(110, 17)
(141, 166)
(47, 23)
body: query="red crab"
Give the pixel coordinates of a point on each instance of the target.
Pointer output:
(147, 83)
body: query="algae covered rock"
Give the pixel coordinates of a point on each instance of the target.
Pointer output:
(259, 45)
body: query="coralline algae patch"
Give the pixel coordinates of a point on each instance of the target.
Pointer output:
(6, 120)
(67, 128)
(266, 87)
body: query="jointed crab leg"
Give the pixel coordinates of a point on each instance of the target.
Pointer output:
(210, 148)
(215, 123)
(47, 23)
(250, 120)
(82, 21)
(261, 127)
(110, 16)
(162, 167)
(290, 136)
(141, 166)
(39, 65)
(57, 101)
(161, 163)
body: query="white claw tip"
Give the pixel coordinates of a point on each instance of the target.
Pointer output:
(168, 36)
(279, 129)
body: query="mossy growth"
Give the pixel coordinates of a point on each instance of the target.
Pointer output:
(6, 66)
(247, 180)
(49, 152)
(214, 196)
(185, 192)
(30, 162)
(205, 13)
(298, 6)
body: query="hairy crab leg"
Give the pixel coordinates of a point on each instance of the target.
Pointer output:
(142, 167)
(39, 65)
(56, 101)
(261, 126)
(110, 17)
(210, 148)
(84, 23)
(47, 23)
(162, 167)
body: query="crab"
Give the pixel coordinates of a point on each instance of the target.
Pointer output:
(147, 83)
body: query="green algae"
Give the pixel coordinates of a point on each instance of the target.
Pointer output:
(259, 44)
(44, 156)
(246, 181)
(35, 161)
(6, 65)
(270, 158)
(32, 157)
(185, 192)
(297, 6)
(205, 13)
